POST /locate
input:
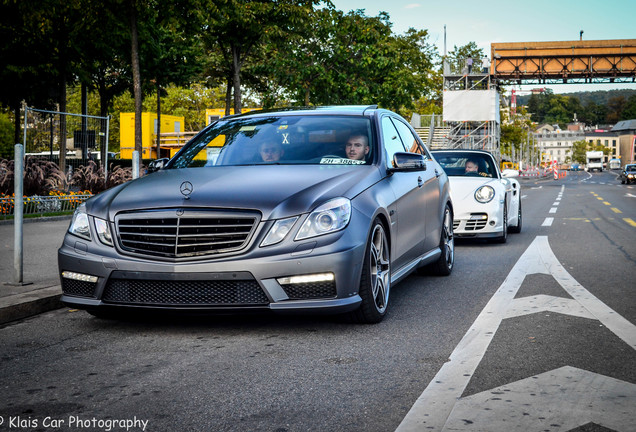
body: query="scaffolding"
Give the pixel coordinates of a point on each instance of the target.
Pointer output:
(471, 112)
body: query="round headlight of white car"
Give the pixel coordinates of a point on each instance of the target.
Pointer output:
(484, 194)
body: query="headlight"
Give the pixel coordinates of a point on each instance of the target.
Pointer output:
(279, 231)
(484, 194)
(103, 232)
(330, 217)
(79, 224)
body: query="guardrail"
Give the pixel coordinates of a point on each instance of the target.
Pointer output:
(41, 205)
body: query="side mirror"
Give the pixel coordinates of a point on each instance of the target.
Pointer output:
(404, 161)
(157, 165)
(510, 173)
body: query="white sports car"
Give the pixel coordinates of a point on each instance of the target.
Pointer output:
(487, 203)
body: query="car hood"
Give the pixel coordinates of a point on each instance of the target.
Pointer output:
(276, 191)
(463, 188)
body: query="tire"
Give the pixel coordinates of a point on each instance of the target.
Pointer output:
(517, 229)
(444, 265)
(504, 233)
(375, 280)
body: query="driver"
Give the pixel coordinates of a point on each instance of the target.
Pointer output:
(472, 166)
(357, 147)
(271, 151)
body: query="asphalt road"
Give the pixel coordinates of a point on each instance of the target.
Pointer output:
(534, 334)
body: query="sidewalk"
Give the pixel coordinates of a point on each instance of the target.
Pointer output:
(41, 291)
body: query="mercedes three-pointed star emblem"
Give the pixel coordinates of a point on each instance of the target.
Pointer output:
(186, 189)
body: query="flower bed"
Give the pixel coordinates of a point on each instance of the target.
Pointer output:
(55, 202)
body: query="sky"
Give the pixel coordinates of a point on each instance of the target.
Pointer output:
(488, 21)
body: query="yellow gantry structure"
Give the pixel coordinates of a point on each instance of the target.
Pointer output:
(584, 61)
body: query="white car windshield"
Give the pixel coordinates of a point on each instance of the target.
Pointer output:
(458, 164)
(281, 140)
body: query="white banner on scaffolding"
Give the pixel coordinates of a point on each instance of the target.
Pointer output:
(471, 105)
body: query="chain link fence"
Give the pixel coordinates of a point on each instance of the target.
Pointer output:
(66, 139)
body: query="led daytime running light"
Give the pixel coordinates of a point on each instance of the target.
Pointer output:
(79, 277)
(303, 279)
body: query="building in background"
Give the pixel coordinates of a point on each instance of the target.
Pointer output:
(626, 131)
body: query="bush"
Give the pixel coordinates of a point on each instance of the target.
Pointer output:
(42, 177)
(91, 177)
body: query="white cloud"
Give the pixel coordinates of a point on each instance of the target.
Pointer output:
(412, 6)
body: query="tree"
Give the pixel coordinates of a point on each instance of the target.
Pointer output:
(515, 133)
(629, 111)
(240, 27)
(350, 58)
(579, 149)
(457, 57)
(615, 108)
(558, 112)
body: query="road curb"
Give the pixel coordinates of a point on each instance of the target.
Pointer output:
(24, 305)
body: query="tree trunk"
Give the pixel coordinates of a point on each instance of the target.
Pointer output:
(136, 77)
(236, 78)
(84, 125)
(307, 96)
(228, 97)
(62, 109)
(158, 120)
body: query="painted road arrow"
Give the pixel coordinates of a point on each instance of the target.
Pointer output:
(441, 407)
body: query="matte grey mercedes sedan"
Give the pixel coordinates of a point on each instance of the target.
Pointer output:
(298, 210)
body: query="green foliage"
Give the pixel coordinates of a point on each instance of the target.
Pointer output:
(515, 133)
(352, 59)
(579, 149)
(603, 108)
(6, 136)
(457, 57)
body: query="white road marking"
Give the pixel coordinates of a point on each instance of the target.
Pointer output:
(547, 222)
(553, 210)
(432, 410)
(559, 397)
(556, 203)
(545, 303)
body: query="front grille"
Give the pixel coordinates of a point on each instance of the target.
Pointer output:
(313, 290)
(178, 233)
(185, 293)
(476, 222)
(78, 288)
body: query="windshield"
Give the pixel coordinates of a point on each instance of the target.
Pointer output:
(278, 140)
(467, 164)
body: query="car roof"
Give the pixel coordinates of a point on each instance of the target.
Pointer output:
(359, 110)
(475, 151)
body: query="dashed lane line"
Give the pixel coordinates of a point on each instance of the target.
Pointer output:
(630, 221)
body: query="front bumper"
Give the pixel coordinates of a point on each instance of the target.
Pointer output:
(478, 220)
(249, 282)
